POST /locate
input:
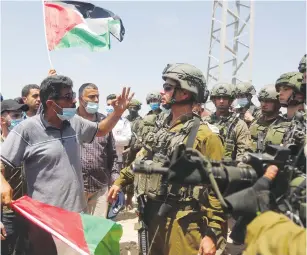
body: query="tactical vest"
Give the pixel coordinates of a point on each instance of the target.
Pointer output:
(258, 131)
(296, 132)
(148, 127)
(155, 185)
(276, 132)
(226, 126)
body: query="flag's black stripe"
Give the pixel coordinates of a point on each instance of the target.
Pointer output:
(90, 11)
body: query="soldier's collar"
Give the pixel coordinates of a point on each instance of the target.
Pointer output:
(182, 119)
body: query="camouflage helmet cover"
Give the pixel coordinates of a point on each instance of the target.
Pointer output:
(135, 102)
(302, 64)
(153, 95)
(222, 89)
(268, 93)
(188, 77)
(245, 88)
(292, 79)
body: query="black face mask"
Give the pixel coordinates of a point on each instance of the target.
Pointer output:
(133, 112)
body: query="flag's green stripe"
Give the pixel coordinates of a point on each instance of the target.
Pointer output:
(79, 37)
(101, 235)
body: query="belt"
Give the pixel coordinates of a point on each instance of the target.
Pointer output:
(177, 205)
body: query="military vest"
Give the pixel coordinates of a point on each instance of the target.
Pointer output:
(226, 126)
(276, 132)
(149, 123)
(155, 185)
(258, 130)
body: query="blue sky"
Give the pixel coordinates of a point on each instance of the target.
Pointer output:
(157, 33)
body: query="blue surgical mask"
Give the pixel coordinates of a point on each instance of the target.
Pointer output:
(14, 123)
(240, 103)
(109, 109)
(91, 107)
(154, 106)
(67, 113)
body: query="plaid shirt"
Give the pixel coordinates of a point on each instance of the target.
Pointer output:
(99, 161)
(16, 178)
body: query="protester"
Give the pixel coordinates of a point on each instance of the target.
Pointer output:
(99, 158)
(48, 146)
(30, 96)
(11, 116)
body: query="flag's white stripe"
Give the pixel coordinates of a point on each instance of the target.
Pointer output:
(53, 232)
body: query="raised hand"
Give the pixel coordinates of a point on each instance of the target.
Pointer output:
(120, 104)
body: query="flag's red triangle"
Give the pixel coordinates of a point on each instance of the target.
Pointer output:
(59, 20)
(67, 224)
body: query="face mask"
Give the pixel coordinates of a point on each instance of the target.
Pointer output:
(67, 113)
(240, 103)
(109, 109)
(91, 107)
(154, 106)
(14, 123)
(133, 112)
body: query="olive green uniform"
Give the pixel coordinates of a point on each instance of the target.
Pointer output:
(274, 234)
(195, 211)
(235, 134)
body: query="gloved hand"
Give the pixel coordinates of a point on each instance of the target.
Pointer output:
(253, 200)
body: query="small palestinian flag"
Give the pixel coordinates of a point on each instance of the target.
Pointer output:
(73, 233)
(80, 24)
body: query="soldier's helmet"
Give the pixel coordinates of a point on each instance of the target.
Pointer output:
(302, 64)
(293, 80)
(222, 89)
(154, 95)
(268, 93)
(135, 103)
(244, 88)
(188, 77)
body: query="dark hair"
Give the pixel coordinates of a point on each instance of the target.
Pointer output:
(51, 87)
(19, 100)
(26, 89)
(111, 97)
(86, 86)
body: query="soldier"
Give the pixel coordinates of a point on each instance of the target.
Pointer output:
(245, 91)
(291, 95)
(147, 125)
(232, 129)
(180, 219)
(134, 145)
(270, 106)
(135, 121)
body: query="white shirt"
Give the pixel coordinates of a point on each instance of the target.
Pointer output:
(122, 135)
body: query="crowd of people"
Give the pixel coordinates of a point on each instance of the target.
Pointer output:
(81, 160)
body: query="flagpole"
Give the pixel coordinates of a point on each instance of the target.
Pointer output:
(45, 32)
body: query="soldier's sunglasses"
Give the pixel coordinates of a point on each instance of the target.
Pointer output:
(167, 87)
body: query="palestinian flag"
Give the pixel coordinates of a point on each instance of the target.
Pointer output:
(73, 233)
(78, 24)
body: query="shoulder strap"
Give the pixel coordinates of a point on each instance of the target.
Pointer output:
(193, 133)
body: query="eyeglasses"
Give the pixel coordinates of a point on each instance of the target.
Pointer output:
(167, 87)
(68, 97)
